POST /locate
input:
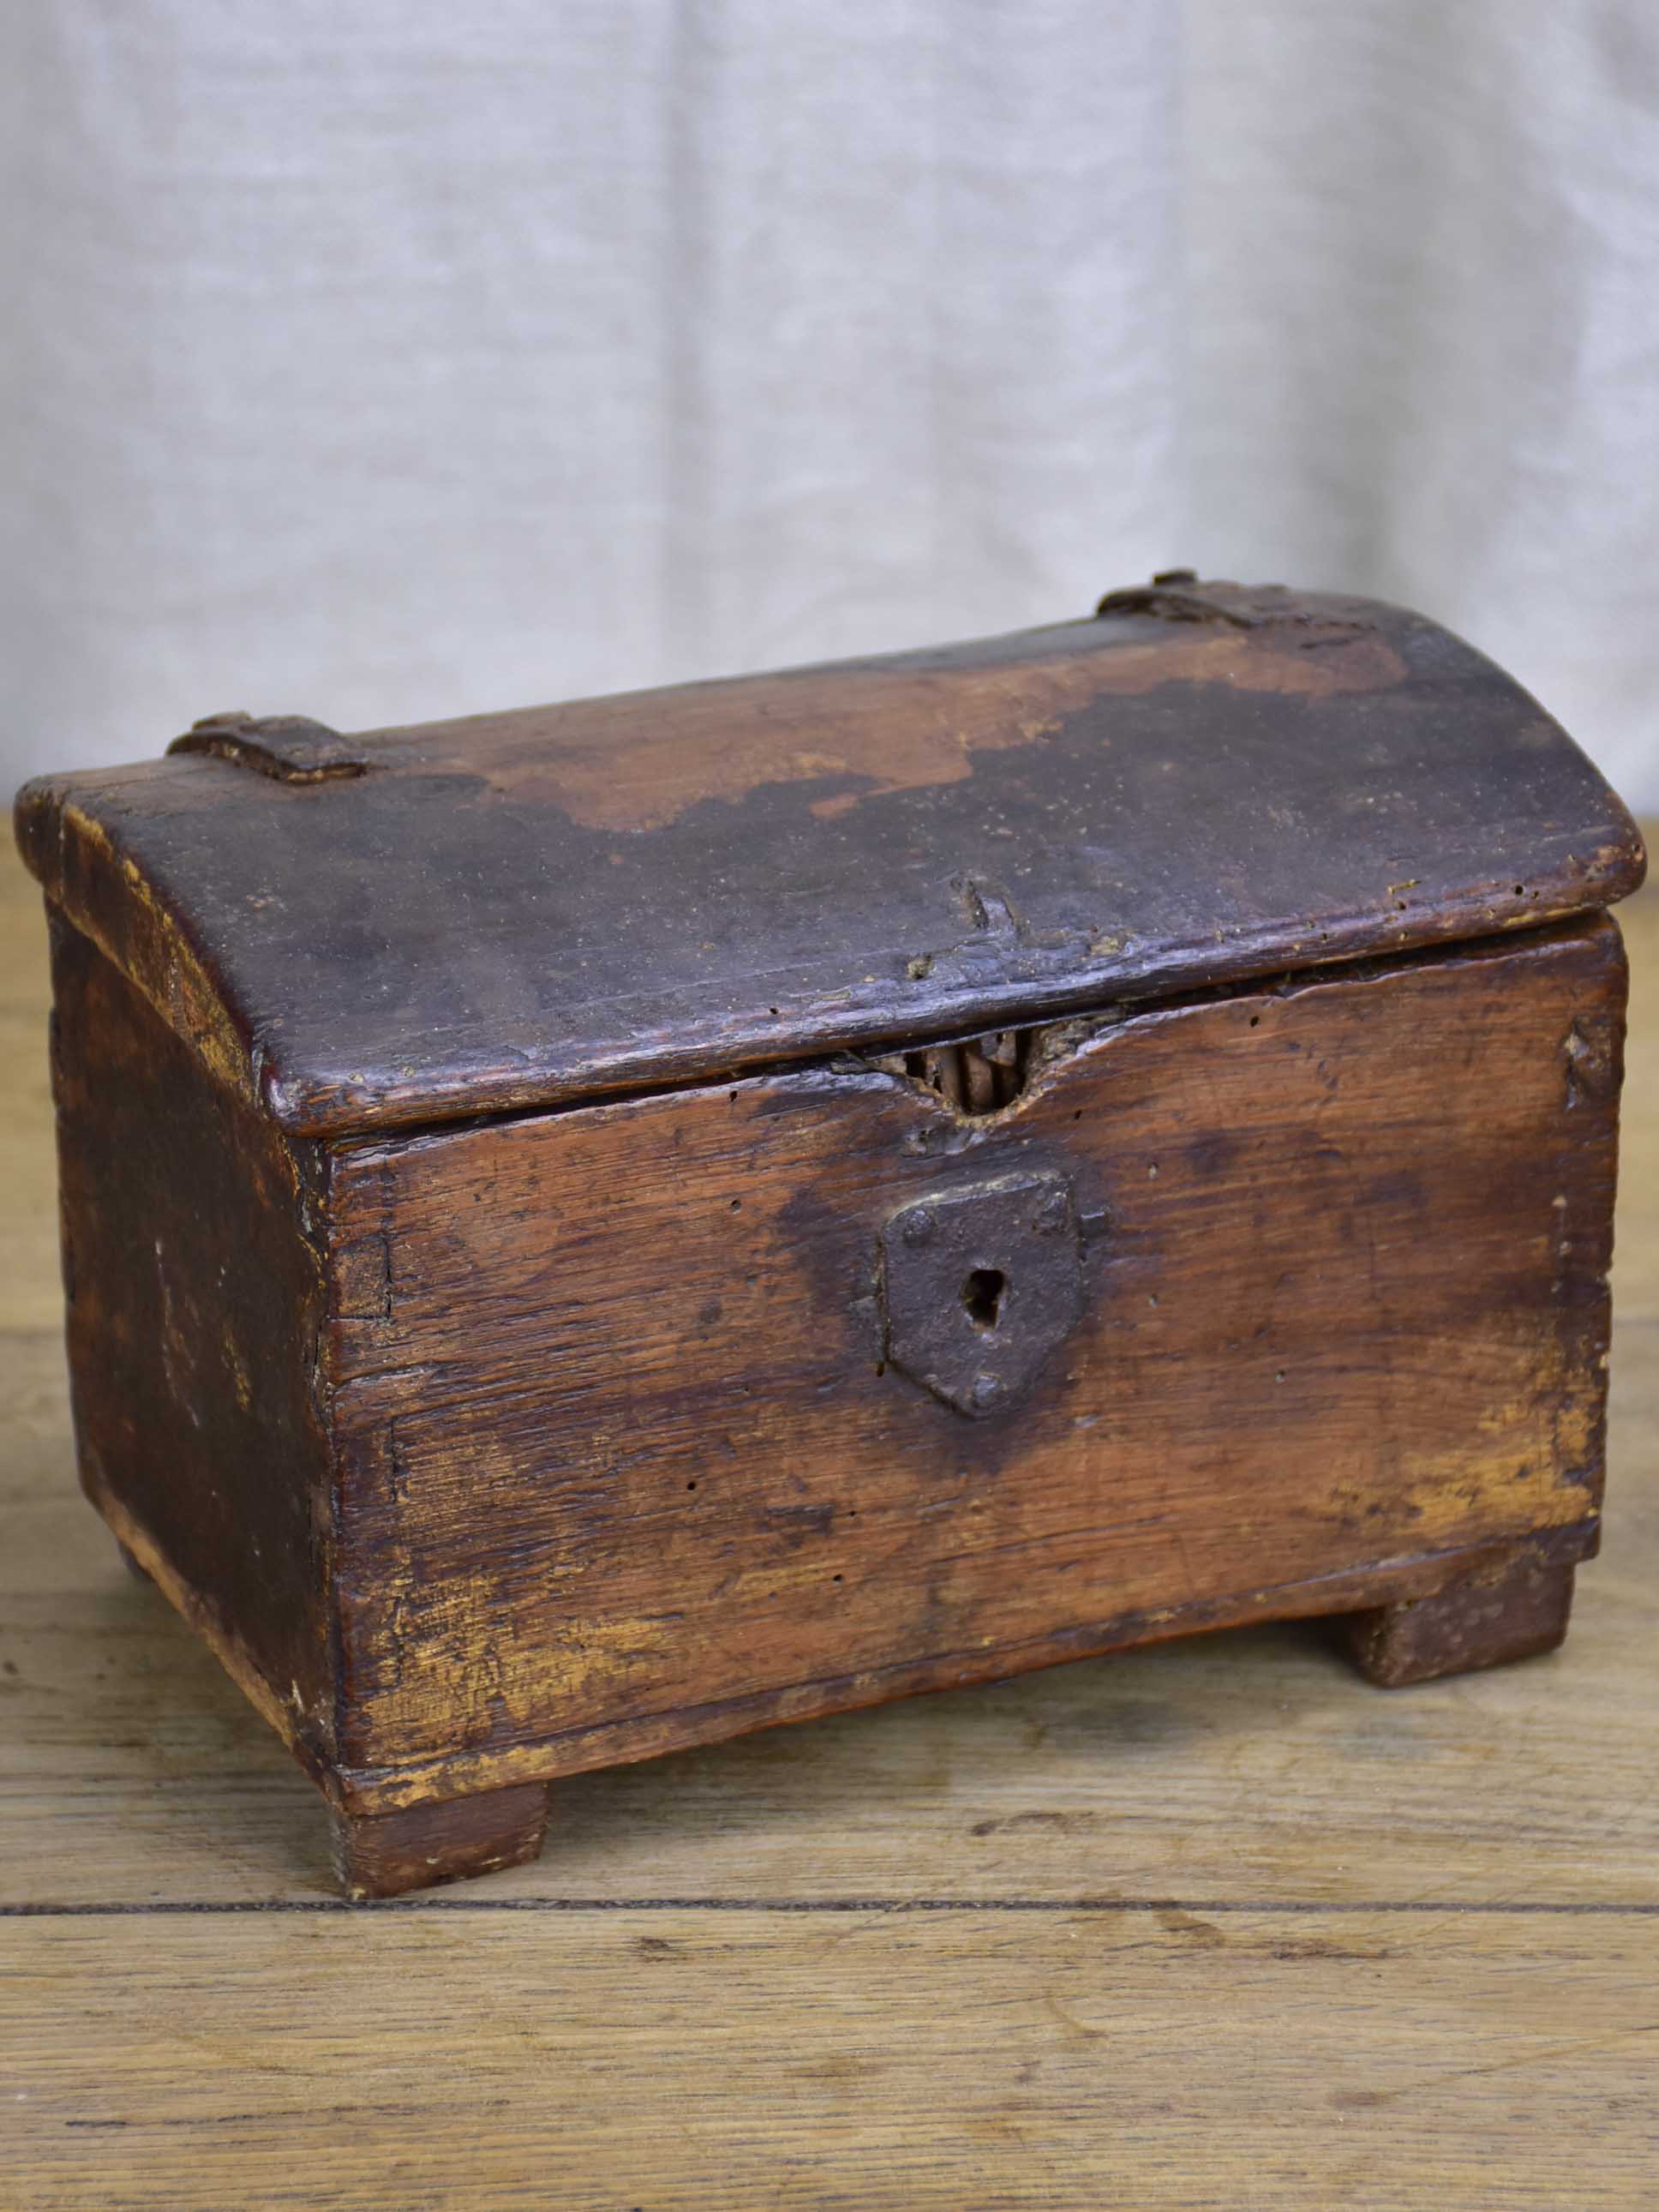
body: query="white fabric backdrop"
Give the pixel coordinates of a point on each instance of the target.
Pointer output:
(379, 358)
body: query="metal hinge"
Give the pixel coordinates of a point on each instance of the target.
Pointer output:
(1178, 595)
(290, 748)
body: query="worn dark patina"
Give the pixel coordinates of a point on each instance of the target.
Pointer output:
(979, 1283)
(1199, 785)
(1515, 1605)
(290, 748)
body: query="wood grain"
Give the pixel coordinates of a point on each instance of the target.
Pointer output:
(1210, 1924)
(610, 895)
(605, 1451)
(1168, 2057)
(194, 1289)
(627, 1467)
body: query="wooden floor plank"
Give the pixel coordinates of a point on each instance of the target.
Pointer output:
(445, 2059)
(30, 1296)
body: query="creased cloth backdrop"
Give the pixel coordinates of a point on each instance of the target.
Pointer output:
(386, 358)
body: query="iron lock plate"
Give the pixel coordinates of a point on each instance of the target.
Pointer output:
(979, 1284)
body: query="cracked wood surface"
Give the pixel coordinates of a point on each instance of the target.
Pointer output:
(1207, 1924)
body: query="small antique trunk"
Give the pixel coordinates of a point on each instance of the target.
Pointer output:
(594, 1230)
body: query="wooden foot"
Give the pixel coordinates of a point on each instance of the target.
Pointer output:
(1512, 1607)
(384, 1854)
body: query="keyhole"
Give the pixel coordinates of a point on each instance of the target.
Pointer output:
(982, 1296)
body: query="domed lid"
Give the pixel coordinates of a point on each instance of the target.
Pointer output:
(1201, 784)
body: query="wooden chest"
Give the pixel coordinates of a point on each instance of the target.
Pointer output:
(594, 1230)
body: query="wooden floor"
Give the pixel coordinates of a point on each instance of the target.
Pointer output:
(1210, 1925)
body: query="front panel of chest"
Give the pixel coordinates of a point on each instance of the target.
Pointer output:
(658, 1419)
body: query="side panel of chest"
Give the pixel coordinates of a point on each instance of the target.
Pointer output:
(627, 1459)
